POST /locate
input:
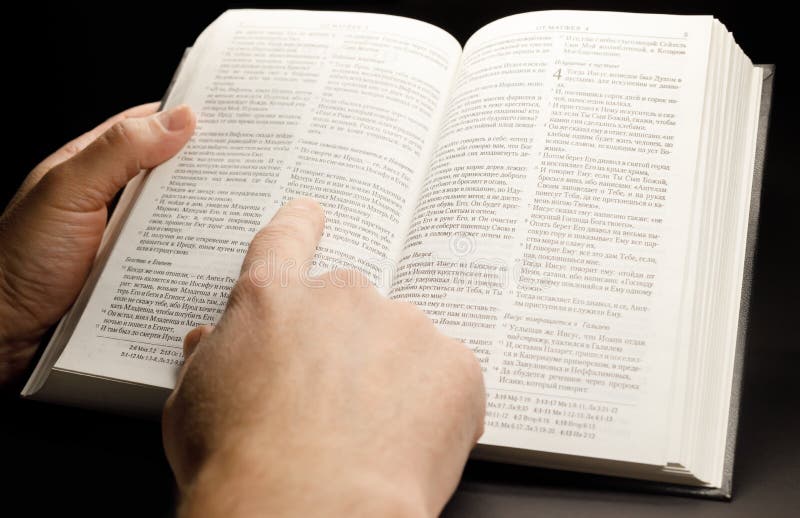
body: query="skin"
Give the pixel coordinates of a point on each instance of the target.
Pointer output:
(313, 395)
(52, 228)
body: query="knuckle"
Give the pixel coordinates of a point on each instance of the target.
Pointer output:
(119, 135)
(73, 147)
(277, 232)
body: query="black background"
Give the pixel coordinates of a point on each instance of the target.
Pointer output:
(68, 67)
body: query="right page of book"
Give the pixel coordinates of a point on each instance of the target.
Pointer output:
(551, 231)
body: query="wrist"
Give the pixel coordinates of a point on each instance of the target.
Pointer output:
(234, 483)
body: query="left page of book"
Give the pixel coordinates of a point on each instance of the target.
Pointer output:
(342, 107)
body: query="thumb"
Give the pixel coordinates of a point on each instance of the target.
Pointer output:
(193, 337)
(90, 180)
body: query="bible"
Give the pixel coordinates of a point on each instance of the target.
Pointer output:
(572, 194)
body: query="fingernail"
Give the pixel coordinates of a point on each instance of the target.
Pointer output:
(176, 119)
(305, 204)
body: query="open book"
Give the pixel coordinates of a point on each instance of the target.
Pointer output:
(569, 194)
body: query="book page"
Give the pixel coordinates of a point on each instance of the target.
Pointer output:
(551, 230)
(342, 107)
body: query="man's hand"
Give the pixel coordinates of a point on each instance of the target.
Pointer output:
(50, 232)
(319, 396)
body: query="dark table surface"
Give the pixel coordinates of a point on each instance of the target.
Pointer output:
(68, 67)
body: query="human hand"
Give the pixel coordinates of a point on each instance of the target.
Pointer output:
(51, 229)
(319, 397)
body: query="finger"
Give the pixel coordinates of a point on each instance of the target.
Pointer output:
(89, 180)
(193, 337)
(78, 144)
(287, 243)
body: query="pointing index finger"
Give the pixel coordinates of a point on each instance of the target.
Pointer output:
(287, 243)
